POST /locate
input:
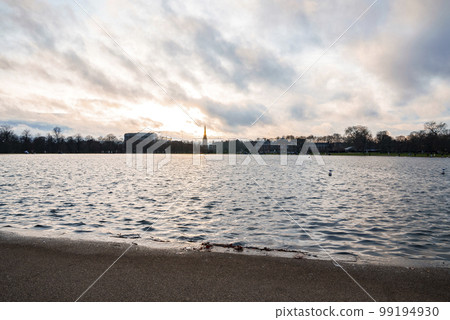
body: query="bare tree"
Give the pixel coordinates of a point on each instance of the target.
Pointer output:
(8, 140)
(358, 136)
(58, 138)
(6, 133)
(384, 141)
(78, 140)
(25, 139)
(57, 133)
(434, 128)
(26, 135)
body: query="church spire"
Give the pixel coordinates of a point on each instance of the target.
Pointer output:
(205, 139)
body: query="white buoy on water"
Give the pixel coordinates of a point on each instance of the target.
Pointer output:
(330, 173)
(443, 171)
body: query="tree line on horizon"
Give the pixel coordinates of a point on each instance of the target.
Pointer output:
(434, 138)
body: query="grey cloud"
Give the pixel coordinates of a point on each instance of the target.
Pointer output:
(236, 63)
(371, 112)
(232, 116)
(21, 112)
(13, 107)
(173, 49)
(38, 21)
(409, 55)
(6, 64)
(298, 112)
(94, 79)
(87, 71)
(35, 68)
(46, 30)
(44, 127)
(342, 96)
(301, 112)
(288, 24)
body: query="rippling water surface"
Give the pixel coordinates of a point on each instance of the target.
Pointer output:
(372, 208)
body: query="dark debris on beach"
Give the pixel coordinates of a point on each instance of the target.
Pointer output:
(236, 247)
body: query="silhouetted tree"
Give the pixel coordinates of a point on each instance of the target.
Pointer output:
(434, 128)
(79, 140)
(38, 144)
(58, 138)
(358, 137)
(70, 145)
(110, 143)
(50, 145)
(435, 136)
(384, 141)
(25, 140)
(8, 140)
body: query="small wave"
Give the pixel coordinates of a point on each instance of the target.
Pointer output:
(337, 238)
(419, 246)
(369, 242)
(69, 204)
(74, 224)
(418, 233)
(146, 198)
(144, 222)
(191, 239)
(40, 226)
(127, 236)
(54, 213)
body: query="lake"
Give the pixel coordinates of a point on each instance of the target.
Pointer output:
(371, 208)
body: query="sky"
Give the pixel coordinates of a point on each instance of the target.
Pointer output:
(113, 66)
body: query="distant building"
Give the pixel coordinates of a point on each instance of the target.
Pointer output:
(267, 148)
(323, 147)
(337, 147)
(138, 137)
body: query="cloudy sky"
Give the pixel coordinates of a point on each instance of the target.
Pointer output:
(100, 67)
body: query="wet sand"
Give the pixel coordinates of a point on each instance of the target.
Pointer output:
(39, 269)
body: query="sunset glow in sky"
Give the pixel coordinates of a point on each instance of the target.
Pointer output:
(223, 62)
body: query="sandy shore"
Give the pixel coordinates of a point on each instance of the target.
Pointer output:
(38, 269)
